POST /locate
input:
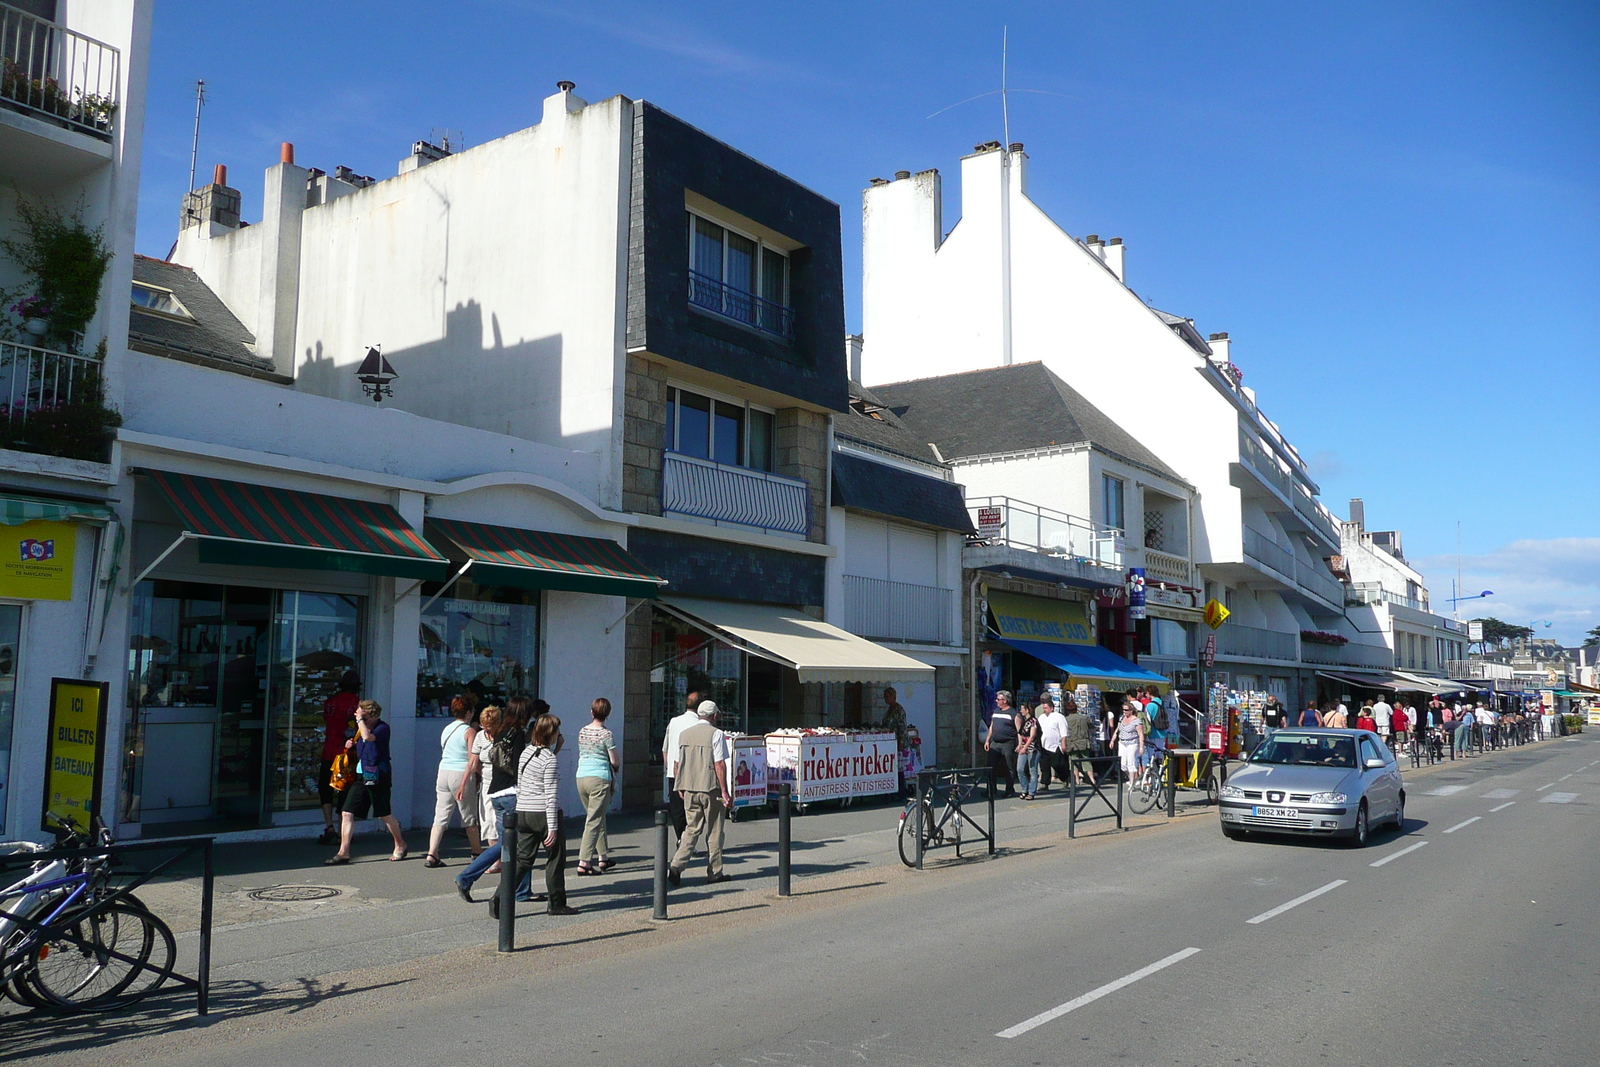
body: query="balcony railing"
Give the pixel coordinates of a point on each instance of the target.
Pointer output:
(1314, 578)
(1003, 520)
(1265, 550)
(897, 611)
(51, 72)
(1259, 460)
(1372, 593)
(1350, 655)
(1162, 567)
(1306, 506)
(39, 380)
(1253, 641)
(716, 295)
(708, 490)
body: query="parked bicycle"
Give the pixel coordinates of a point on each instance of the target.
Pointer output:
(940, 828)
(83, 946)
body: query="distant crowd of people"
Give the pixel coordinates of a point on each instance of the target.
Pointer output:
(1028, 746)
(1465, 725)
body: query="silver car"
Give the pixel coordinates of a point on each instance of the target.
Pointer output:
(1315, 781)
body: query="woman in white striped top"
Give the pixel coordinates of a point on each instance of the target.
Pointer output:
(539, 812)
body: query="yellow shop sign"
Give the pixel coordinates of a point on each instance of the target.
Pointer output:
(36, 560)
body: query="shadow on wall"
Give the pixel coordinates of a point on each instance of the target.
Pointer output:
(511, 389)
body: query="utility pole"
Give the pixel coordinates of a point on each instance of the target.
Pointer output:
(194, 146)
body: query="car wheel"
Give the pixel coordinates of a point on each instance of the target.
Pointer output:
(1358, 835)
(1400, 814)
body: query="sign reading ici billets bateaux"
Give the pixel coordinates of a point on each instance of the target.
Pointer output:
(36, 560)
(74, 752)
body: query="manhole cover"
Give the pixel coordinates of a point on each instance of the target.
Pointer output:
(284, 894)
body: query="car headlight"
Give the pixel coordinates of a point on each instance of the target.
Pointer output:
(1232, 792)
(1328, 798)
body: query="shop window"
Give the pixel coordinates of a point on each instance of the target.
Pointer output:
(10, 647)
(225, 693)
(726, 431)
(684, 660)
(479, 639)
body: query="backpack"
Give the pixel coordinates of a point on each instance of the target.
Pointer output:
(504, 752)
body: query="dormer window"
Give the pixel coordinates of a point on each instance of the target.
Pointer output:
(161, 301)
(739, 277)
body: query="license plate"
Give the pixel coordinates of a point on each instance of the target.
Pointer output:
(1276, 813)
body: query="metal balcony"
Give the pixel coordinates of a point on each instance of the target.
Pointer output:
(726, 300)
(1257, 643)
(38, 380)
(724, 493)
(1018, 524)
(1267, 552)
(1350, 655)
(54, 74)
(898, 611)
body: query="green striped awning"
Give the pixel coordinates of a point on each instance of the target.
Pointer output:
(534, 559)
(247, 525)
(16, 510)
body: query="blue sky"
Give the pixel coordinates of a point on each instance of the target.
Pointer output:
(1392, 207)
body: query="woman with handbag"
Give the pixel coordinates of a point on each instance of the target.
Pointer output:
(338, 719)
(453, 793)
(374, 780)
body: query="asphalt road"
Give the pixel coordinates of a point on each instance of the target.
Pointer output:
(1468, 939)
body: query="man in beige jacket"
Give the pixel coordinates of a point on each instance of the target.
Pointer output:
(700, 776)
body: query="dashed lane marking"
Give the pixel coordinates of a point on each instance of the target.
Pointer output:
(1095, 994)
(1446, 790)
(1397, 855)
(1459, 825)
(1564, 777)
(1500, 794)
(1297, 901)
(1547, 785)
(1502, 807)
(1559, 798)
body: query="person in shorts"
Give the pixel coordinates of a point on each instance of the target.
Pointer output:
(369, 793)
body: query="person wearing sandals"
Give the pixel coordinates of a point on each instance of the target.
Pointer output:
(374, 780)
(598, 764)
(453, 793)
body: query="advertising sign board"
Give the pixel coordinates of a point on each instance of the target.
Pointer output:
(75, 751)
(36, 560)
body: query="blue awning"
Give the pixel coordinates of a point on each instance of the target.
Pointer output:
(1090, 663)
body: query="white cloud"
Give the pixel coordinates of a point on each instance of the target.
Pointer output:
(1555, 580)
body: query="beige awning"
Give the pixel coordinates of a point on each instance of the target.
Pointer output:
(817, 651)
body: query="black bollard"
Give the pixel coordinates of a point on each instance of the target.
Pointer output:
(508, 885)
(783, 839)
(1172, 785)
(661, 865)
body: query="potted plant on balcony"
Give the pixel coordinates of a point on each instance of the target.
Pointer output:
(1323, 637)
(67, 261)
(35, 316)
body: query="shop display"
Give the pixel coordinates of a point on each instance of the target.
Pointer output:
(747, 770)
(827, 763)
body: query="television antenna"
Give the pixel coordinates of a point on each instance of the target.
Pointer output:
(1005, 90)
(194, 146)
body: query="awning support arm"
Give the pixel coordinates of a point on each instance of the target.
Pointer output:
(464, 568)
(730, 639)
(414, 587)
(625, 615)
(186, 535)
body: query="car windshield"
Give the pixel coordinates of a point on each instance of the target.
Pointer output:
(1307, 750)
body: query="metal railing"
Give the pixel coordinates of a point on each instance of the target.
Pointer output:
(1259, 460)
(37, 380)
(898, 611)
(1314, 513)
(1372, 593)
(713, 294)
(1265, 550)
(1236, 640)
(1348, 655)
(1164, 567)
(707, 490)
(49, 71)
(1040, 529)
(1314, 578)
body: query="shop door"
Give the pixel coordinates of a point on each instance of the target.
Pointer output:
(10, 650)
(315, 641)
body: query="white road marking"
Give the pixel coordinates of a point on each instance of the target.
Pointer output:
(1547, 785)
(1564, 777)
(1502, 807)
(1397, 855)
(1296, 902)
(1500, 794)
(1446, 790)
(1095, 994)
(1559, 798)
(1459, 825)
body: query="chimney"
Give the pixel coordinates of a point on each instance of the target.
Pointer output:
(283, 203)
(1220, 348)
(1358, 514)
(901, 175)
(214, 206)
(1112, 257)
(423, 153)
(852, 355)
(286, 153)
(562, 103)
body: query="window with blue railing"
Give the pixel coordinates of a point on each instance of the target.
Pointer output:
(739, 277)
(734, 432)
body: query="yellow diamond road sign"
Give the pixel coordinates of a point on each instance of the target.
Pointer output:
(1216, 614)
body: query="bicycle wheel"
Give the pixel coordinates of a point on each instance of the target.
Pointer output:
(908, 831)
(1145, 792)
(107, 952)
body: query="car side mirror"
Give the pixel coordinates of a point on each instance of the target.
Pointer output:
(1375, 764)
